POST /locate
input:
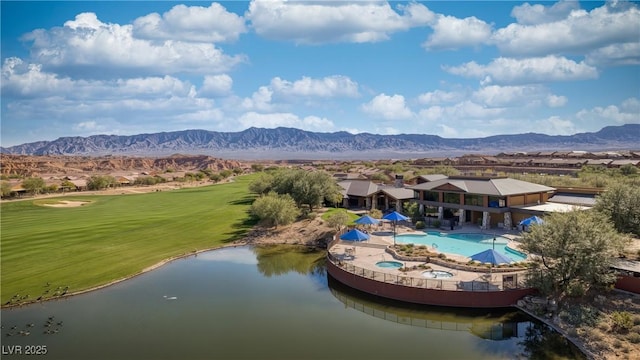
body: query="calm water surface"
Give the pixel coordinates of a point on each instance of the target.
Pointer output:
(262, 303)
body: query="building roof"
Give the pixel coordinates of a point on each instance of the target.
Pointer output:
(574, 199)
(626, 265)
(361, 188)
(551, 207)
(398, 193)
(433, 177)
(484, 186)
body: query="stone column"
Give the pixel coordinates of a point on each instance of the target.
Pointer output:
(486, 220)
(440, 213)
(421, 207)
(399, 206)
(507, 220)
(462, 217)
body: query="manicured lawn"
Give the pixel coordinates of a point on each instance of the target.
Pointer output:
(113, 236)
(353, 217)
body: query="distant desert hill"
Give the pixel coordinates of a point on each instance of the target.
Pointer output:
(288, 143)
(28, 165)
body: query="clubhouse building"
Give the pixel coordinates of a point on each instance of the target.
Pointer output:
(488, 202)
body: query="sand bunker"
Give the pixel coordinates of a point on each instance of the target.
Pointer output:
(67, 203)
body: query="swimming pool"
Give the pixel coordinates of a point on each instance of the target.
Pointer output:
(389, 264)
(465, 244)
(437, 274)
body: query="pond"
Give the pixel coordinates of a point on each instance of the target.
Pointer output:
(262, 303)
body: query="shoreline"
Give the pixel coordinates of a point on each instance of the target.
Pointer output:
(114, 282)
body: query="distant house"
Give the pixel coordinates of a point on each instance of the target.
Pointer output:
(364, 194)
(80, 184)
(599, 162)
(431, 177)
(623, 162)
(358, 193)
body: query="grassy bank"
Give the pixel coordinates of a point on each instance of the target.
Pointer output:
(112, 237)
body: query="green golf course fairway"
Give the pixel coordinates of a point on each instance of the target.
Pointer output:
(112, 237)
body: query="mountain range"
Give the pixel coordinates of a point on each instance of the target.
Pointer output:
(290, 143)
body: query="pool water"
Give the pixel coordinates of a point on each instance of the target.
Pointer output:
(465, 244)
(389, 264)
(437, 274)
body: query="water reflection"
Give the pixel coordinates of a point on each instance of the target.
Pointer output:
(255, 303)
(537, 340)
(274, 260)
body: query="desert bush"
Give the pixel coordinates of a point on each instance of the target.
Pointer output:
(580, 315)
(576, 289)
(420, 225)
(634, 338)
(436, 224)
(622, 321)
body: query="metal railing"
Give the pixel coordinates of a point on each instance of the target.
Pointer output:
(508, 282)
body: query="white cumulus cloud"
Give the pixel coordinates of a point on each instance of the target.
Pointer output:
(191, 23)
(87, 43)
(579, 32)
(388, 107)
(437, 97)
(528, 70)
(273, 120)
(330, 22)
(528, 14)
(330, 86)
(216, 85)
(451, 33)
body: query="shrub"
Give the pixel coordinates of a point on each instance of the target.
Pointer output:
(576, 289)
(622, 321)
(420, 225)
(634, 338)
(436, 224)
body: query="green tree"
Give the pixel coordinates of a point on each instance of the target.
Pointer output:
(573, 252)
(621, 203)
(628, 170)
(412, 209)
(338, 219)
(274, 209)
(238, 170)
(34, 185)
(5, 187)
(100, 182)
(307, 188)
(262, 184)
(257, 167)
(375, 213)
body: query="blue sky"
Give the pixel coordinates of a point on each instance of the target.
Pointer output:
(449, 68)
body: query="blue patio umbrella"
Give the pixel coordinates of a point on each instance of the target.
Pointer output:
(354, 235)
(491, 256)
(531, 220)
(367, 220)
(395, 217)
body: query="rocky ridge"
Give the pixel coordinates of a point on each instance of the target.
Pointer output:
(27, 165)
(291, 143)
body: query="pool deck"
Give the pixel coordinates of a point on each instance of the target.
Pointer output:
(366, 254)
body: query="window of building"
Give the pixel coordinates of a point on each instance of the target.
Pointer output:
(471, 199)
(452, 198)
(431, 196)
(496, 201)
